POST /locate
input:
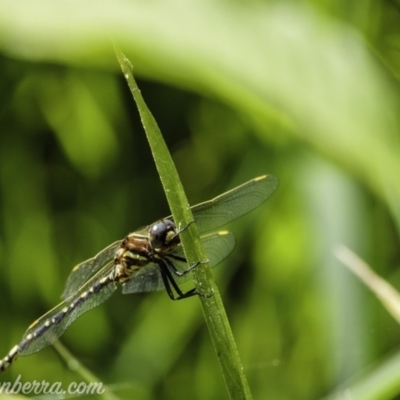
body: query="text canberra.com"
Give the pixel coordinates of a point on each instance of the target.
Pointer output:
(43, 387)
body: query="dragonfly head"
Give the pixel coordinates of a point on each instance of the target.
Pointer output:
(163, 234)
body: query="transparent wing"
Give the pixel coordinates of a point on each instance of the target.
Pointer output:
(208, 216)
(147, 279)
(233, 204)
(83, 271)
(216, 245)
(48, 328)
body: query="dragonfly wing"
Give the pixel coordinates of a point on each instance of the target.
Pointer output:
(216, 245)
(233, 204)
(47, 329)
(147, 279)
(83, 271)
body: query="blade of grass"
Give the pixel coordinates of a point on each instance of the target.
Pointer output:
(74, 365)
(380, 381)
(386, 293)
(213, 309)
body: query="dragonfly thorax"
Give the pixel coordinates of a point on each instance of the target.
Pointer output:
(124, 271)
(135, 252)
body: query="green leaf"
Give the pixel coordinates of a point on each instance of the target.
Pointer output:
(213, 309)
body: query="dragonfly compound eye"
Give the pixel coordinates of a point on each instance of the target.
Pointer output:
(161, 233)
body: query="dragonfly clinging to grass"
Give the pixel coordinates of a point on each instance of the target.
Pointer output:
(146, 260)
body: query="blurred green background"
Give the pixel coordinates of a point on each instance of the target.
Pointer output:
(306, 90)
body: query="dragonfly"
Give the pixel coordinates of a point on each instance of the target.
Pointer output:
(146, 260)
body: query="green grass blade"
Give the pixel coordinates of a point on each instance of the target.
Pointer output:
(214, 312)
(75, 365)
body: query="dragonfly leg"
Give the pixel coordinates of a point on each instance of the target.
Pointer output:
(181, 230)
(184, 272)
(191, 292)
(169, 280)
(178, 258)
